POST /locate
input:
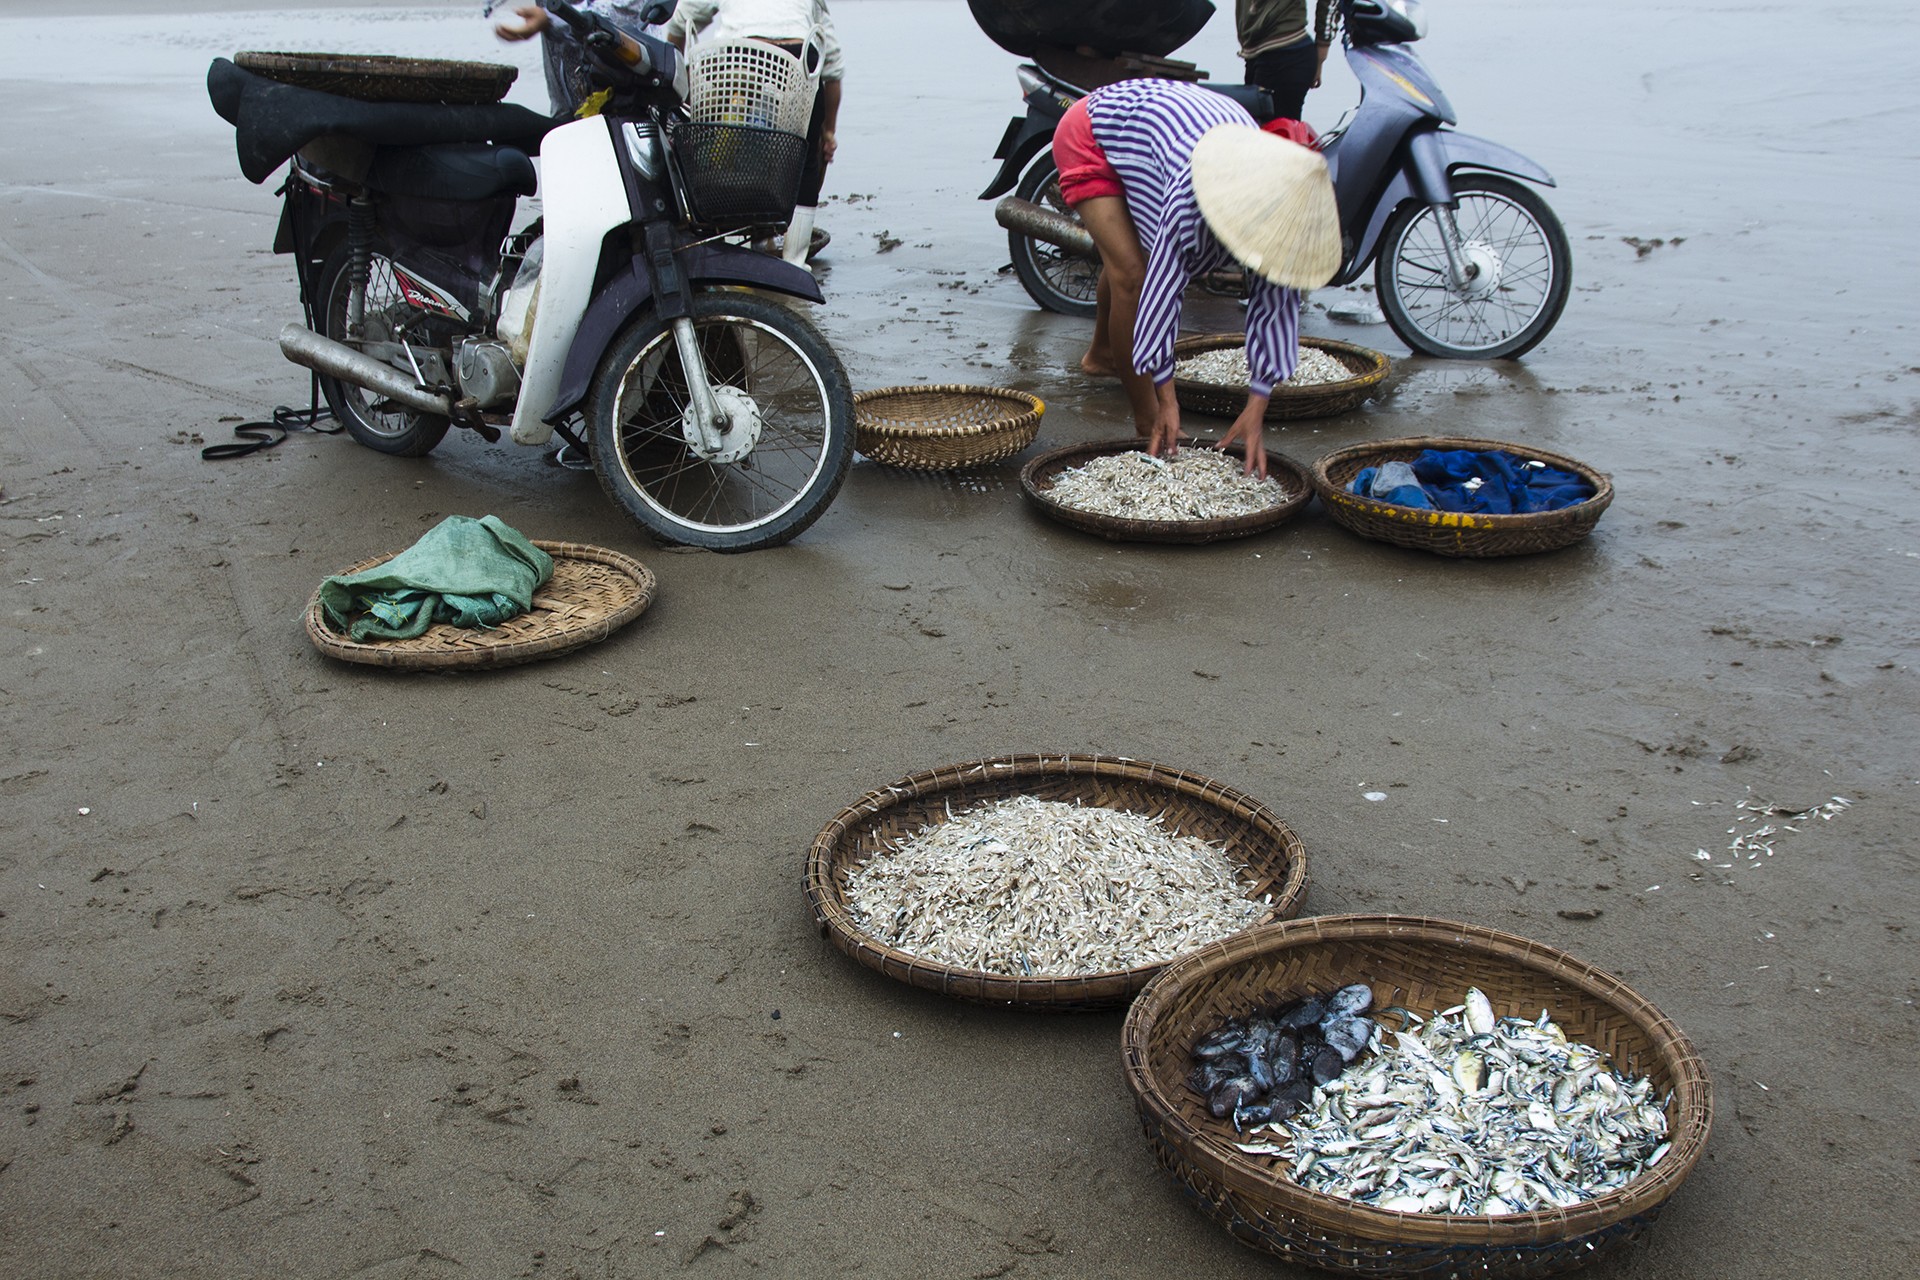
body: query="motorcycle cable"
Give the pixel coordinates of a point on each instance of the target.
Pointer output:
(253, 437)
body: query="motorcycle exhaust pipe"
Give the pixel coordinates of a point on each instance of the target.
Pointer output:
(1040, 223)
(323, 355)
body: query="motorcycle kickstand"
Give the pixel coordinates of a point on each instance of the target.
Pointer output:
(709, 420)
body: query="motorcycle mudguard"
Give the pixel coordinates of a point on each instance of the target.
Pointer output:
(1432, 157)
(626, 294)
(582, 197)
(1025, 138)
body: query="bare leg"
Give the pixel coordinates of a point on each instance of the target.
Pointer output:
(1123, 273)
(1099, 358)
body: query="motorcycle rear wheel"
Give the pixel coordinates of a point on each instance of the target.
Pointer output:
(801, 410)
(1057, 280)
(373, 421)
(1525, 272)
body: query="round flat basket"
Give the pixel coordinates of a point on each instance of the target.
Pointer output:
(1191, 805)
(1422, 965)
(1326, 400)
(1451, 533)
(944, 428)
(381, 78)
(593, 592)
(1039, 474)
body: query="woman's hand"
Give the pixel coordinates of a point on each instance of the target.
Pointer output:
(533, 20)
(1246, 431)
(1164, 440)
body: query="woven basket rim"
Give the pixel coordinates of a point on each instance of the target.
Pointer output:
(1086, 991)
(1031, 408)
(487, 654)
(1378, 366)
(1036, 477)
(1692, 1106)
(1334, 493)
(385, 64)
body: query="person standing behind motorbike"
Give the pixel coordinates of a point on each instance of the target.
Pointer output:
(569, 68)
(788, 24)
(1172, 181)
(1282, 56)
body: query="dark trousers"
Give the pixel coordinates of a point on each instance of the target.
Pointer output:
(1287, 74)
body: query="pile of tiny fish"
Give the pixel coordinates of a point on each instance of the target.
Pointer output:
(1264, 1068)
(1194, 484)
(1467, 1113)
(1227, 367)
(1027, 887)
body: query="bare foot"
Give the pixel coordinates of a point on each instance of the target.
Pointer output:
(1097, 367)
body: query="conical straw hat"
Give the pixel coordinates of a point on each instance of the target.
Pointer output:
(1270, 202)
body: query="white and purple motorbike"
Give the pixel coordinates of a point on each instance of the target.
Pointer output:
(629, 318)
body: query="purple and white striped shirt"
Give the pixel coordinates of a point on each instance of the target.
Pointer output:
(1148, 129)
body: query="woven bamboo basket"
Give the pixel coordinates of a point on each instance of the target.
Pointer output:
(1037, 477)
(944, 427)
(593, 592)
(382, 78)
(1421, 964)
(1328, 400)
(1187, 803)
(1451, 533)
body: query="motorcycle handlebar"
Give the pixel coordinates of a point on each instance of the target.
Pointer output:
(598, 34)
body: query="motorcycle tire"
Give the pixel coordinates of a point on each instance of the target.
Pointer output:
(369, 419)
(787, 387)
(1525, 272)
(1057, 280)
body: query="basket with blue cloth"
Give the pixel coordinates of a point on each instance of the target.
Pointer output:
(1455, 496)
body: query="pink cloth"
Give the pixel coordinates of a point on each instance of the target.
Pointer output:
(1084, 170)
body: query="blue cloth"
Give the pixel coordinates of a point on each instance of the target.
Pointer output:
(1508, 485)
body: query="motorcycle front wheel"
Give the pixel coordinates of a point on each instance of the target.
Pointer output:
(1521, 269)
(786, 450)
(1054, 278)
(375, 422)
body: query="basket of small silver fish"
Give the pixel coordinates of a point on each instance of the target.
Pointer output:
(1210, 376)
(1401, 1096)
(1047, 882)
(1115, 489)
(1454, 533)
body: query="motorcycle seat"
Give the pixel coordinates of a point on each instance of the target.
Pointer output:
(272, 121)
(1257, 101)
(454, 171)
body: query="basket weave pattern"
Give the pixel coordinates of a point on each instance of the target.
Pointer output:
(1451, 533)
(1188, 803)
(383, 78)
(944, 427)
(1421, 964)
(593, 592)
(1037, 477)
(1328, 400)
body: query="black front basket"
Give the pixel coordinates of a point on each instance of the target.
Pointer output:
(739, 175)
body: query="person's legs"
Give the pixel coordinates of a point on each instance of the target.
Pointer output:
(1123, 272)
(1287, 74)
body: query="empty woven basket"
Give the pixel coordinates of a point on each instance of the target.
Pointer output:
(944, 427)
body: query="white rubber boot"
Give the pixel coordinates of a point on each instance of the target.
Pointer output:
(799, 235)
